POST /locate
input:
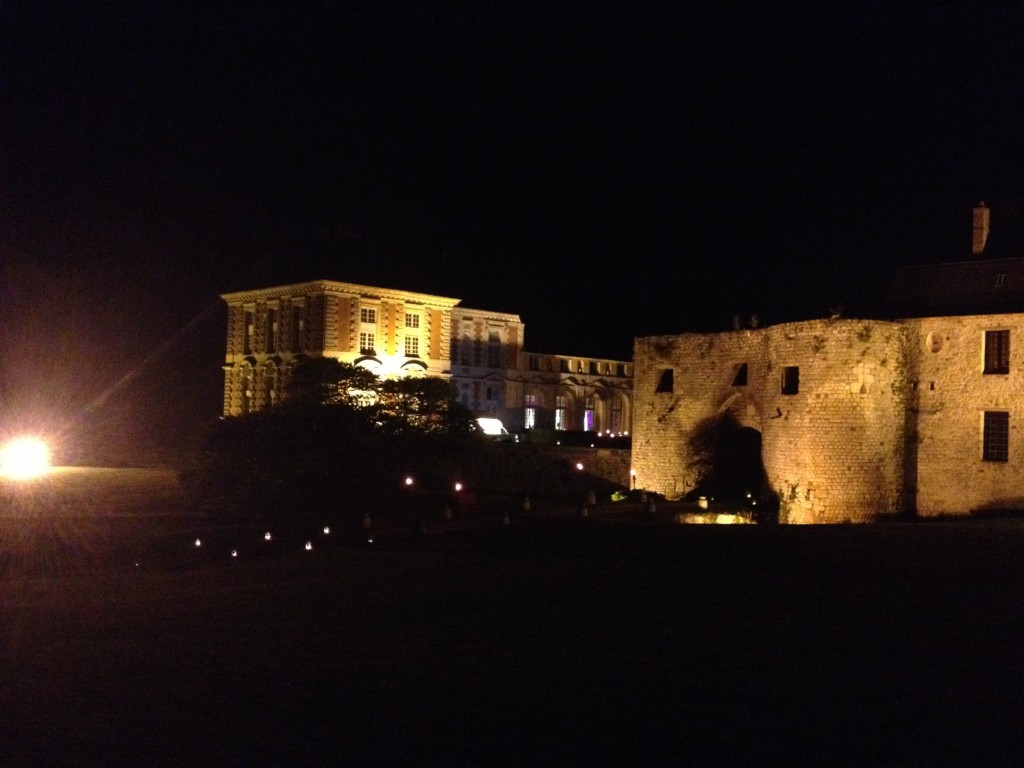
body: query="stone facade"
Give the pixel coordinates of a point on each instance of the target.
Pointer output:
(950, 395)
(857, 418)
(402, 333)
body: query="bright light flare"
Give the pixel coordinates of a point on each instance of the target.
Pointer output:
(24, 458)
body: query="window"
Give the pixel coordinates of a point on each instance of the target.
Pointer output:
(530, 413)
(466, 349)
(366, 343)
(367, 315)
(620, 369)
(412, 320)
(494, 349)
(534, 363)
(996, 436)
(297, 328)
(593, 368)
(790, 380)
(563, 366)
(271, 329)
(412, 346)
(1001, 280)
(740, 379)
(248, 331)
(490, 393)
(997, 351)
(665, 381)
(588, 414)
(616, 415)
(560, 412)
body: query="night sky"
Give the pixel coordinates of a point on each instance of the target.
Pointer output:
(606, 170)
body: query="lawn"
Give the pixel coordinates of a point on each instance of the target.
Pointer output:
(554, 640)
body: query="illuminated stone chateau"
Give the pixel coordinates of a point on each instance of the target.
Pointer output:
(400, 333)
(858, 417)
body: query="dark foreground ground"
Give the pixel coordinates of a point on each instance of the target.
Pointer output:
(554, 640)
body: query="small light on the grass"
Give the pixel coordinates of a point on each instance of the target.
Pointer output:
(327, 529)
(199, 542)
(458, 487)
(234, 553)
(267, 536)
(370, 540)
(309, 545)
(579, 465)
(408, 481)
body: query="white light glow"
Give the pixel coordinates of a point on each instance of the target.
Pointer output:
(309, 545)
(267, 536)
(408, 481)
(458, 487)
(327, 529)
(579, 465)
(24, 458)
(199, 542)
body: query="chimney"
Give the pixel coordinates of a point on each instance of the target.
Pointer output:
(980, 233)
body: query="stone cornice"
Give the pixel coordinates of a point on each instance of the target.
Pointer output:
(343, 289)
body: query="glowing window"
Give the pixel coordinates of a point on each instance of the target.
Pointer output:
(367, 315)
(997, 351)
(530, 412)
(412, 346)
(412, 320)
(996, 436)
(560, 412)
(366, 343)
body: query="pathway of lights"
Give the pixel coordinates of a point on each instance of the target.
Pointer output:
(408, 482)
(269, 536)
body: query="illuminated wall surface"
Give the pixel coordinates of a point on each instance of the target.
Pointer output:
(398, 333)
(857, 417)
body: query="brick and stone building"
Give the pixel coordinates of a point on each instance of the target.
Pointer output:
(403, 333)
(857, 417)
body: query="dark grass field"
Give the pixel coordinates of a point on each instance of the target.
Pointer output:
(555, 640)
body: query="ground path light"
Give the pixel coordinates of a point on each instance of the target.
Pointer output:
(309, 545)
